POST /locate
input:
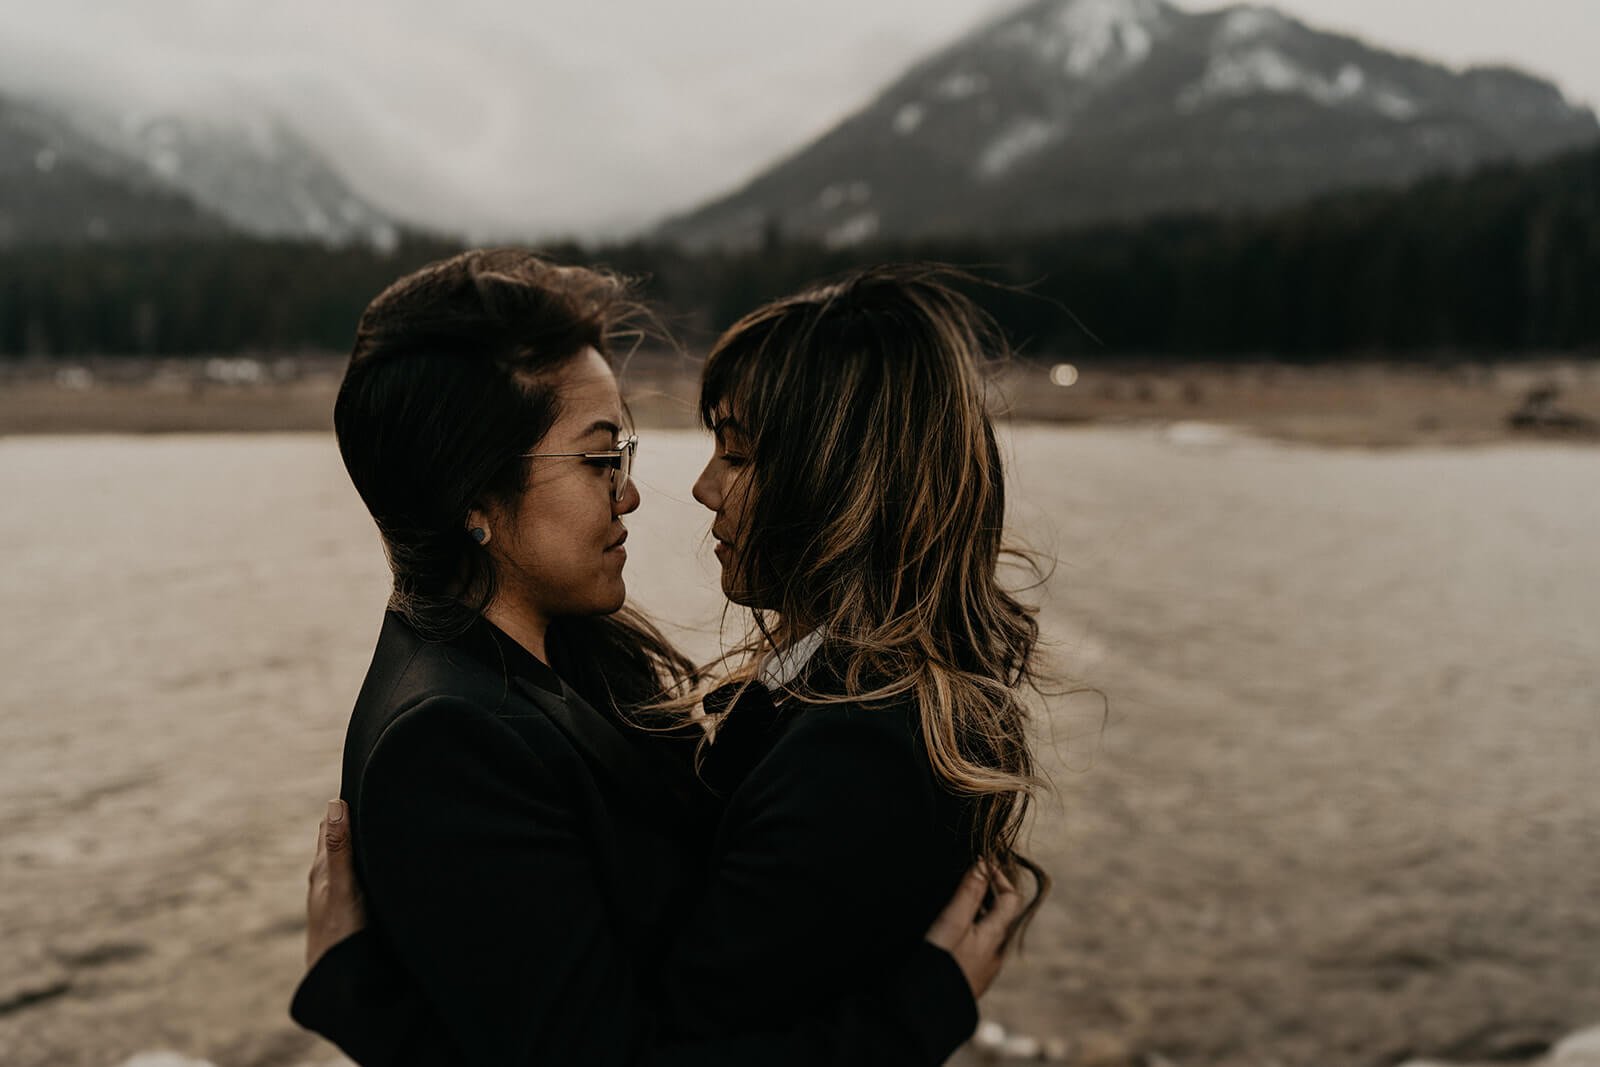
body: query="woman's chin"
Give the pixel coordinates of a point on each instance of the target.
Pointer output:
(731, 590)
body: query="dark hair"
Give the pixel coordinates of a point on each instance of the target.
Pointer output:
(875, 510)
(448, 384)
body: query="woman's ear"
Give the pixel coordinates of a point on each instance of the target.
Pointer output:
(478, 526)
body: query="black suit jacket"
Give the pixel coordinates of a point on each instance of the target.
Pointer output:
(539, 888)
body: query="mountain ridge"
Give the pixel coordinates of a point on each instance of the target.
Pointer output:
(1066, 112)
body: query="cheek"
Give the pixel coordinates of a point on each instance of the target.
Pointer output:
(560, 525)
(576, 515)
(735, 500)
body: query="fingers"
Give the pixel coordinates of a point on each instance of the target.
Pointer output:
(331, 862)
(996, 925)
(319, 858)
(956, 919)
(337, 858)
(336, 827)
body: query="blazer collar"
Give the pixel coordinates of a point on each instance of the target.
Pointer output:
(750, 722)
(786, 664)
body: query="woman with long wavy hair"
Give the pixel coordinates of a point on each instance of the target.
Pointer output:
(867, 748)
(859, 500)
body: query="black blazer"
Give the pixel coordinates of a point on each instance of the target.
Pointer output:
(539, 888)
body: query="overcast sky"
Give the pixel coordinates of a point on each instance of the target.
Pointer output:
(538, 117)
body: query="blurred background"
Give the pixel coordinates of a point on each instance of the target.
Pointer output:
(1306, 301)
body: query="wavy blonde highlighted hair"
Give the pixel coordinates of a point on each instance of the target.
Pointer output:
(874, 511)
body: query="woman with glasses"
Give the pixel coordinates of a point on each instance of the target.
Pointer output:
(544, 880)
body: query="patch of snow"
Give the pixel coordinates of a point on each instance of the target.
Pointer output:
(860, 227)
(165, 161)
(961, 85)
(1136, 42)
(1264, 69)
(1248, 23)
(1020, 139)
(908, 118)
(1237, 74)
(1395, 105)
(312, 216)
(1351, 80)
(840, 194)
(384, 236)
(1092, 38)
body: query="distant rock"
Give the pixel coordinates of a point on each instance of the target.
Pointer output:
(1075, 111)
(1538, 413)
(1580, 1049)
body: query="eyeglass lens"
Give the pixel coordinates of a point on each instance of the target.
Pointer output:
(624, 468)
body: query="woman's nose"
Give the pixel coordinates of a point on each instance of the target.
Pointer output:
(705, 490)
(629, 501)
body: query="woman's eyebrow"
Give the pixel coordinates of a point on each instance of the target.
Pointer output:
(603, 425)
(728, 424)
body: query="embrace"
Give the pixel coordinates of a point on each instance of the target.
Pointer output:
(559, 840)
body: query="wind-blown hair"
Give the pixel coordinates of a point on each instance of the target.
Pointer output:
(449, 382)
(874, 510)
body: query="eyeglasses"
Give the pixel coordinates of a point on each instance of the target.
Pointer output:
(619, 459)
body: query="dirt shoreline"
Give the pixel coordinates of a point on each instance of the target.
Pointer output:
(1353, 404)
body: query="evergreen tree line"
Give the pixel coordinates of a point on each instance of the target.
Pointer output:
(1501, 262)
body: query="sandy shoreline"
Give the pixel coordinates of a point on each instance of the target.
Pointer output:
(1357, 404)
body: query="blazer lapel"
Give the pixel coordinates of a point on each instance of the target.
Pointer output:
(616, 761)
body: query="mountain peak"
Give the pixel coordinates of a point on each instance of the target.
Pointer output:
(1066, 112)
(1082, 38)
(1250, 22)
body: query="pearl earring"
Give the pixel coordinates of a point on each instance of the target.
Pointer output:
(480, 535)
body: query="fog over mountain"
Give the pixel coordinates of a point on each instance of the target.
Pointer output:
(492, 119)
(503, 120)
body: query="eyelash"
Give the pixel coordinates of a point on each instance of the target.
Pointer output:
(732, 460)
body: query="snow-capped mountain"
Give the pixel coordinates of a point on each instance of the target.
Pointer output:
(58, 187)
(249, 174)
(251, 170)
(1072, 111)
